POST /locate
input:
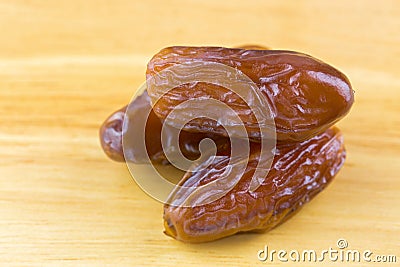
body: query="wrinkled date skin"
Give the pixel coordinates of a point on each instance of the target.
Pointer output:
(111, 136)
(306, 95)
(299, 172)
(111, 133)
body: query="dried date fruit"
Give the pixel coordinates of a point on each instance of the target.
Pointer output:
(111, 132)
(111, 136)
(306, 95)
(299, 172)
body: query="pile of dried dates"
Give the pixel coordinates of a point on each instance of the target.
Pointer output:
(306, 98)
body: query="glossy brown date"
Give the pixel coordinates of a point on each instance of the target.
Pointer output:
(306, 95)
(111, 132)
(299, 172)
(111, 136)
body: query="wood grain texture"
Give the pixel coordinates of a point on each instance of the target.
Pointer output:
(65, 65)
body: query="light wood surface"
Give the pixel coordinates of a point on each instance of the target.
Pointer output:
(65, 65)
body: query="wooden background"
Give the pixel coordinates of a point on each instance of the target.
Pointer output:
(65, 65)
